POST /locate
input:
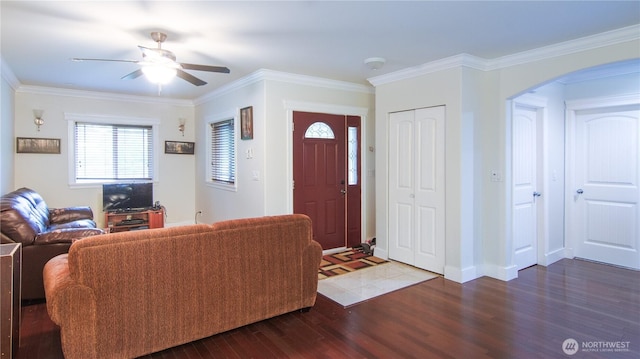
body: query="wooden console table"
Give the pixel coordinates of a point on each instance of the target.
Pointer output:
(10, 297)
(134, 220)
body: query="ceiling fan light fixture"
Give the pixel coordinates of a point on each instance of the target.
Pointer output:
(159, 74)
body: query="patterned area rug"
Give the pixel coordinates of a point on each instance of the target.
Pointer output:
(346, 262)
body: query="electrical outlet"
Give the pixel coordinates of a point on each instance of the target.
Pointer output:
(495, 176)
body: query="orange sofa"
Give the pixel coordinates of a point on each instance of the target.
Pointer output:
(124, 295)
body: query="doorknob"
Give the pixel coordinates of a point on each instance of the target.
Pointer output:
(537, 194)
(343, 191)
(579, 191)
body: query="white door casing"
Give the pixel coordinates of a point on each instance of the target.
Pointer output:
(416, 188)
(603, 219)
(525, 184)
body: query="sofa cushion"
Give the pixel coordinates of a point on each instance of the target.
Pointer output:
(66, 235)
(70, 214)
(81, 223)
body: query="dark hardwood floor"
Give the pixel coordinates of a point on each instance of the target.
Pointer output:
(529, 317)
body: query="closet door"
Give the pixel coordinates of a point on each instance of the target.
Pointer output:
(401, 187)
(416, 188)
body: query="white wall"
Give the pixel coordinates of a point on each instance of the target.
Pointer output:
(249, 198)
(273, 96)
(485, 115)
(48, 173)
(6, 136)
(609, 86)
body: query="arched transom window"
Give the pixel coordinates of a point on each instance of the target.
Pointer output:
(319, 130)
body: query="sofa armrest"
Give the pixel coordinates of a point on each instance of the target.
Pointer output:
(4, 239)
(311, 257)
(56, 279)
(72, 306)
(69, 214)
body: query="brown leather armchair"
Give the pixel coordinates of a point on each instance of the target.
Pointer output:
(44, 233)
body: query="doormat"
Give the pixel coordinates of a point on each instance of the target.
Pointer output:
(348, 261)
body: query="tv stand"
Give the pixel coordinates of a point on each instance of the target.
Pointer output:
(122, 221)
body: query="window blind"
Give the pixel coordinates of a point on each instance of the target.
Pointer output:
(105, 152)
(223, 162)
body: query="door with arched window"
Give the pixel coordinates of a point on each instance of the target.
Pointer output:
(326, 175)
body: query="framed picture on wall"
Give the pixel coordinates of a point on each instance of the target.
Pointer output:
(37, 145)
(246, 123)
(179, 147)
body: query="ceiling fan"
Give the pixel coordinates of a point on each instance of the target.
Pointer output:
(160, 65)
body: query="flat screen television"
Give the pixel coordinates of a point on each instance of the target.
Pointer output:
(127, 196)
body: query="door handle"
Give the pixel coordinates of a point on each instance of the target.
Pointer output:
(343, 191)
(579, 191)
(537, 194)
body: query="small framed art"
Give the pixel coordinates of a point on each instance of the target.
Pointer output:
(179, 147)
(246, 123)
(37, 145)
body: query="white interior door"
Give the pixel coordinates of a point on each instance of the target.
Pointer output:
(401, 186)
(604, 201)
(525, 185)
(429, 189)
(416, 188)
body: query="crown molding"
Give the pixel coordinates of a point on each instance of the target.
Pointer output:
(608, 38)
(630, 33)
(8, 75)
(272, 75)
(94, 95)
(228, 88)
(431, 67)
(315, 81)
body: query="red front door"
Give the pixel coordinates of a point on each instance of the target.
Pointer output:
(320, 175)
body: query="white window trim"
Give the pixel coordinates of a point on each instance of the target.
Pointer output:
(209, 120)
(72, 118)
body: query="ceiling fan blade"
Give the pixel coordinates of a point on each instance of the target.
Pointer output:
(189, 78)
(205, 68)
(79, 59)
(133, 75)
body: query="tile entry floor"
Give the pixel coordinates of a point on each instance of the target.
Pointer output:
(352, 288)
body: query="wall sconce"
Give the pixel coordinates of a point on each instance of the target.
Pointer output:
(38, 118)
(181, 125)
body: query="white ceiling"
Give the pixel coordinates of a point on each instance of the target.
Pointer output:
(327, 39)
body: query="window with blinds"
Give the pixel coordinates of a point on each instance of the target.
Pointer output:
(113, 152)
(223, 159)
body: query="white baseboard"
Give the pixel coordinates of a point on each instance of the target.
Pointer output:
(502, 273)
(568, 253)
(553, 257)
(460, 275)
